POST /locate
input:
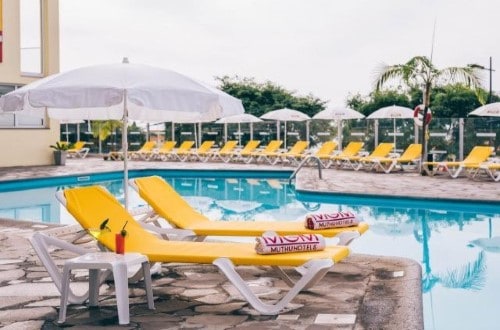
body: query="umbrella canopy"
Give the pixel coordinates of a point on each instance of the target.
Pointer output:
(487, 110)
(285, 115)
(392, 112)
(339, 114)
(123, 91)
(238, 119)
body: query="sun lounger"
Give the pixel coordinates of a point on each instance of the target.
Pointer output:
(145, 152)
(243, 153)
(203, 153)
(169, 205)
(349, 152)
(292, 156)
(226, 151)
(477, 156)
(410, 156)
(92, 204)
(259, 155)
(165, 149)
(78, 150)
(323, 153)
(183, 152)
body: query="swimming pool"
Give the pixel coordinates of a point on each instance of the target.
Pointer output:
(457, 243)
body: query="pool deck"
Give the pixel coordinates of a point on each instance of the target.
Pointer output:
(362, 292)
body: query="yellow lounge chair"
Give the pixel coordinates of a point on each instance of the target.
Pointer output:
(169, 205)
(92, 204)
(166, 148)
(270, 149)
(247, 150)
(203, 153)
(182, 152)
(145, 152)
(323, 153)
(477, 156)
(226, 151)
(351, 150)
(78, 150)
(293, 156)
(411, 155)
(357, 162)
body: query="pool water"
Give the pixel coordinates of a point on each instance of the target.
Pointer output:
(457, 244)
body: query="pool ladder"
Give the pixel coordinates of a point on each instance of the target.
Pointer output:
(304, 162)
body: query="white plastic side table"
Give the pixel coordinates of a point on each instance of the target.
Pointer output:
(118, 264)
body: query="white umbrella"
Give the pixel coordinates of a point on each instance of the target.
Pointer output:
(392, 112)
(241, 118)
(339, 114)
(487, 110)
(285, 115)
(123, 91)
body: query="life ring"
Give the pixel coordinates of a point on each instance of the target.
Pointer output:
(418, 115)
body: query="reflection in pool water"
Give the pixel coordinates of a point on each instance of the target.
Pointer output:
(457, 244)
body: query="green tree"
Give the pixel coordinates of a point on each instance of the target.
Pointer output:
(377, 100)
(419, 72)
(260, 98)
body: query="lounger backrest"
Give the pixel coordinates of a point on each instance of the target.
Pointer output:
(298, 147)
(148, 146)
(186, 145)
(228, 146)
(352, 149)
(250, 147)
(91, 205)
(478, 155)
(167, 146)
(206, 146)
(413, 151)
(77, 146)
(382, 150)
(326, 148)
(167, 202)
(273, 146)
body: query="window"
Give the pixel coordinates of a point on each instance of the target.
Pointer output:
(31, 119)
(31, 37)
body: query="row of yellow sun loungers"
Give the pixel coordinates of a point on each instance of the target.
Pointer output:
(352, 157)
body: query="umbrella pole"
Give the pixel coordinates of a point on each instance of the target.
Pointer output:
(394, 123)
(239, 134)
(284, 137)
(251, 131)
(125, 149)
(339, 133)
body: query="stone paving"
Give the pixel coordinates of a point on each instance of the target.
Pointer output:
(362, 292)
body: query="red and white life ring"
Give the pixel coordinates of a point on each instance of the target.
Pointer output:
(418, 115)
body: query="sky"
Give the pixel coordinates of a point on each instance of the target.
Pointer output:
(328, 48)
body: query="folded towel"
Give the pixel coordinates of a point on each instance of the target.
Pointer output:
(331, 220)
(288, 244)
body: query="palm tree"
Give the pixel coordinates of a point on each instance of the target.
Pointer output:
(103, 129)
(419, 72)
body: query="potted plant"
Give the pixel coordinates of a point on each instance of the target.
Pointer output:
(60, 152)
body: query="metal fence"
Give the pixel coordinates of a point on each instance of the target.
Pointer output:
(448, 138)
